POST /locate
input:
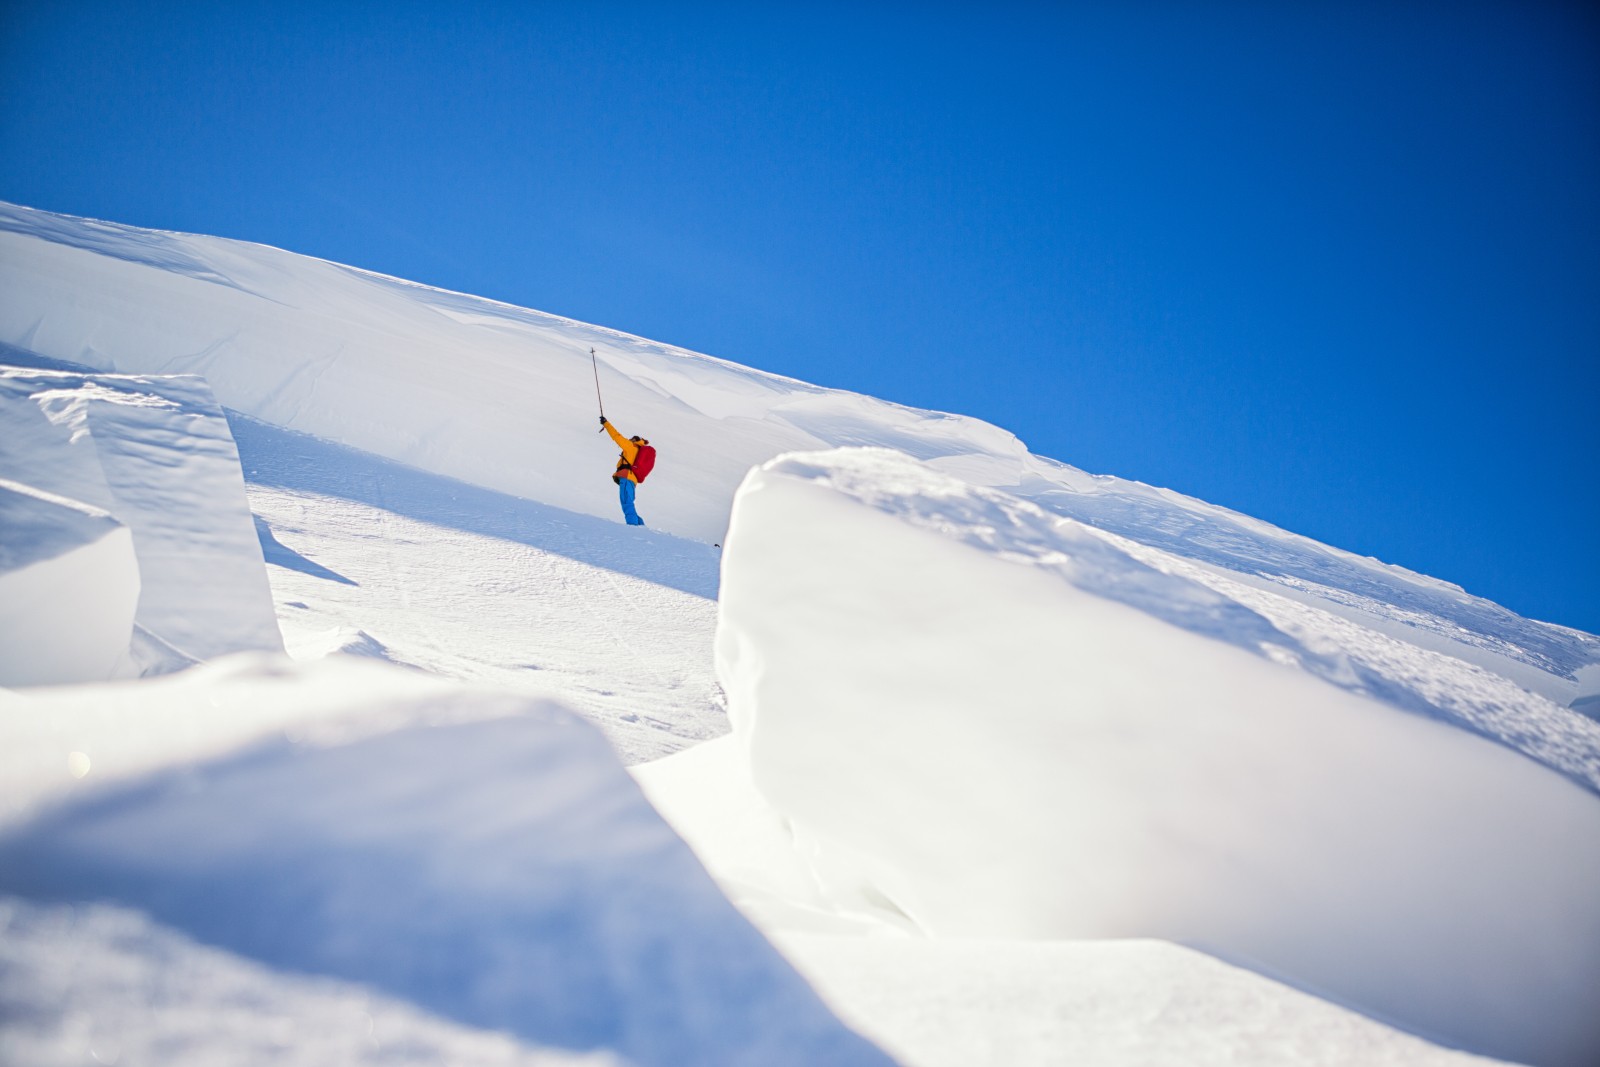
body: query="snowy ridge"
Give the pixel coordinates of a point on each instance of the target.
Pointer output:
(1404, 672)
(1376, 594)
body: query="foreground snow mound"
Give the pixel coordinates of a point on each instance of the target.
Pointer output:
(98, 984)
(483, 857)
(1003, 724)
(69, 583)
(156, 454)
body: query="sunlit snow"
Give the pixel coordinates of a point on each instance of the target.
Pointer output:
(1013, 763)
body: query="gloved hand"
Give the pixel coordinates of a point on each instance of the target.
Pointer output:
(602, 420)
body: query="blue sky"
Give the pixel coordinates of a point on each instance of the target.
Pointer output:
(1334, 265)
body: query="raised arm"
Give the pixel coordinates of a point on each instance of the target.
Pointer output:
(629, 449)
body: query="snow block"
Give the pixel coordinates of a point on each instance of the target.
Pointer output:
(69, 584)
(1001, 724)
(483, 857)
(156, 453)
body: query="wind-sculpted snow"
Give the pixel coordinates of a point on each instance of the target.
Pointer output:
(1201, 600)
(69, 584)
(1420, 607)
(503, 398)
(999, 723)
(156, 454)
(169, 252)
(1406, 675)
(483, 857)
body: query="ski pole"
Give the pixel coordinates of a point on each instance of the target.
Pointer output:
(597, 398)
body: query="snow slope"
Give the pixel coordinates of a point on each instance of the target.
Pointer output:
(156, 454)
(996, 723)
(372, 557)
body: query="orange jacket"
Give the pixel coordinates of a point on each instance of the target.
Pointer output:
(630, 452)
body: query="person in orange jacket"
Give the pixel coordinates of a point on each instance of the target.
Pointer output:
(627, 481)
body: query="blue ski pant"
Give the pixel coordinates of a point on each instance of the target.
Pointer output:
(626, 488)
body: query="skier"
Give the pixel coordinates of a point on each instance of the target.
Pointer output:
(636, 461)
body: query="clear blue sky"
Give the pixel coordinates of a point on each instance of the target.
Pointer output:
(1333, 265)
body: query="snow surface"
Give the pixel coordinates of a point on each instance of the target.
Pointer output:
(479, 855)
(95, 983)
(155, 453)
(69, 584)
(372, 557)
(434, 509)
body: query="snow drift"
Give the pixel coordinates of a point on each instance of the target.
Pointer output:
(1003, 724)
(155, 453)
(481, 856)
(69, 584)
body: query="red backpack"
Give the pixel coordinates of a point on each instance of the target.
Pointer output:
(644, 462)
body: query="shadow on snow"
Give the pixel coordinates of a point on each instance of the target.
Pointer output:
(286, 459)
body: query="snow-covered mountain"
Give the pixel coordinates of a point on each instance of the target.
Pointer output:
(979, 705)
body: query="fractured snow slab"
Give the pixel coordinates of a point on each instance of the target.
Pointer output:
(1001, 724)
(155, 453)
(483, 857)
(69, 584)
